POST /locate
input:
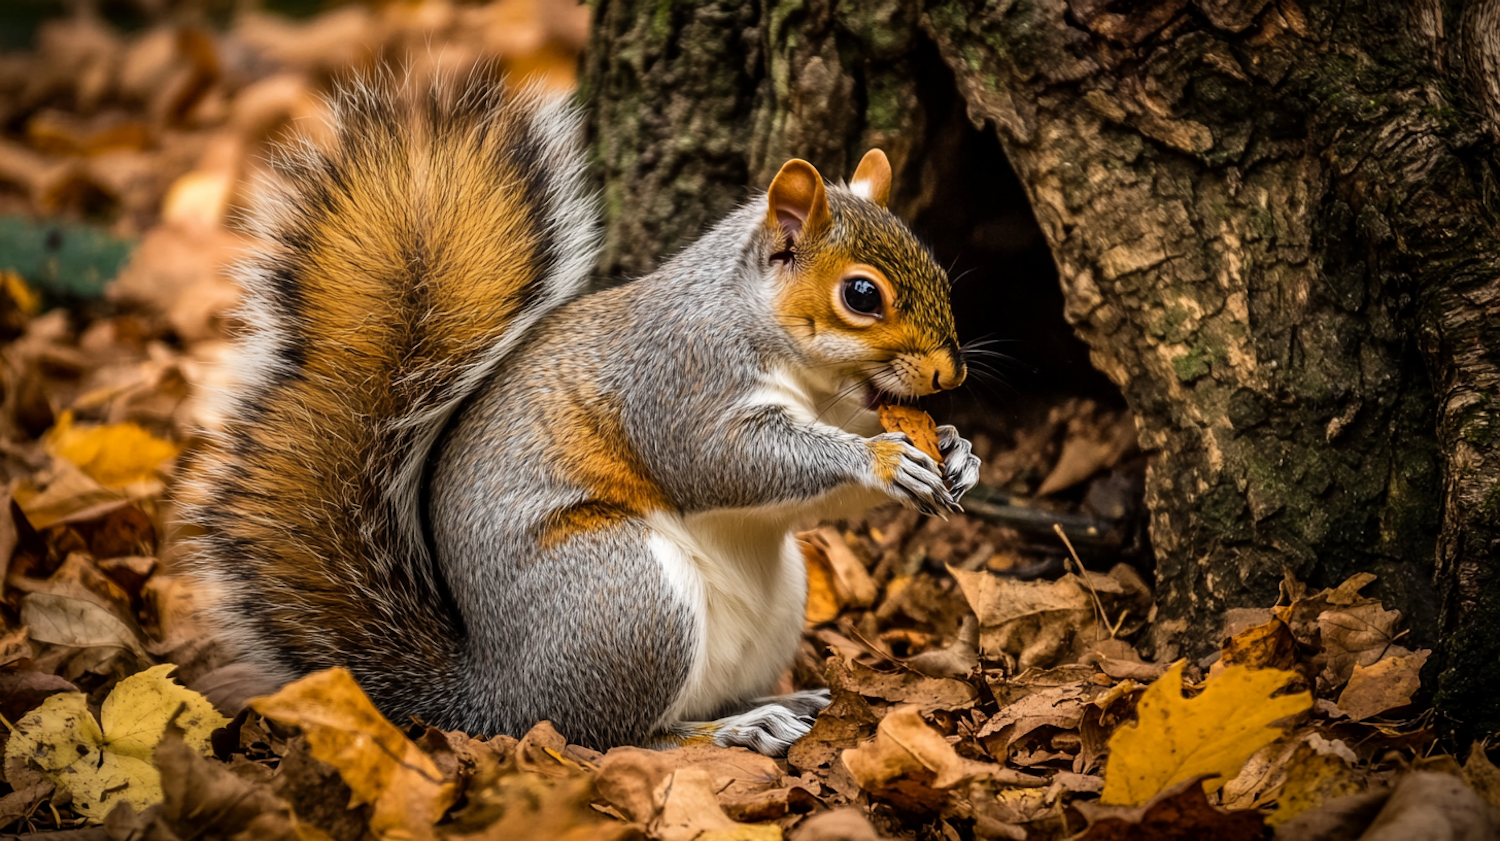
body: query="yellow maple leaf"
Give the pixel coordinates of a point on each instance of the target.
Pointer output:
(101, 766)
(114, 455)
(380, 765)
(1176, 738)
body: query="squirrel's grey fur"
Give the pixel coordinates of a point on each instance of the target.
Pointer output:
(487, 587)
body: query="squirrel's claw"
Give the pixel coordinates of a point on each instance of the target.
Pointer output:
(918, 480)
(960, 465)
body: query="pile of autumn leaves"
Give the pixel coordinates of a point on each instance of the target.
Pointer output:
(965, 703)
(1037, 720)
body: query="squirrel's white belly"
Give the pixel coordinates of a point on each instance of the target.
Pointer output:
(743, 577)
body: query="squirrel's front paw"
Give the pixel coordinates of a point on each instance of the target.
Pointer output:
(960, 466)
(910, 475)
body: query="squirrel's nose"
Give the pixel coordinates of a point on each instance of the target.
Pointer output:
(948, 370)
(951, 378)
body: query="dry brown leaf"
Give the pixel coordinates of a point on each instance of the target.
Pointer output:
(1312, 778)
(1302, 610)
(1062, 707)
(1424, 804)
(381, 766)
(15, 644)
(851, 581)
(504, 802)
(675, 800)
(844, 723)
(836, 825)
(1089, 448)
(63, 493)
(957, 660)
(1357, 635)
(78, 623)
(1043, 623)
(822, 599)
(910, 763)
(1036, 622)
(23, 801)
(906, 687)
(1266, 646)
(204, 798)
(916, 424)
(1179, 813)
(1482, 775)
(1386, 685)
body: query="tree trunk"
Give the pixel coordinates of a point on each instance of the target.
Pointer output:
(1274, 226)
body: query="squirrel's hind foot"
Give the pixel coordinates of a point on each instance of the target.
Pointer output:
(769, 728)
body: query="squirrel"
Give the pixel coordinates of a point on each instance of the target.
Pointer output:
(498, 500)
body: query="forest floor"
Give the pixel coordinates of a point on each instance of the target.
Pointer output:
(985, 670)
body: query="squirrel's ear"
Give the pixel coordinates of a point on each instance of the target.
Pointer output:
(796, 202)
(872, 180)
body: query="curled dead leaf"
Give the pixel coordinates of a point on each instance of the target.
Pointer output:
(916, 424)
(1179, 813)
(911, 764)
(381, 766)
(1386, 685)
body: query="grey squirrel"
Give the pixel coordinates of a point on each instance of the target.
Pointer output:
(498, 500)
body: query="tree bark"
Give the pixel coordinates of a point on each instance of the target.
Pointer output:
(1274, 224)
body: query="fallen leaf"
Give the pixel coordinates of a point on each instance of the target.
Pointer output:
(910, 763)
(1036, 622)
(1359, 635)
(1312, 778)
(1386, 685)
(844, 723)
(381, 766)
(1091, 446)
(117, 456)
(822, 599)
(851, 580)
(907, 687)
(24, 801)
(1423, 805)
(1302, 612)
(504, 802)
(674, 801)
(1179, 813)
(836, 825)
(1175, 738)
(15, 644)
(136, 713)
(64, 494)
(204, 798)
(1061, 707)
(957, 660)
(1043, 623)
(22, 691)
(1265, 646)
(916, 425)
(1483, 775)
(80, 623)
(104, 766)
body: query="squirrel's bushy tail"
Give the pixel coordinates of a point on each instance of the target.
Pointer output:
(402, 262)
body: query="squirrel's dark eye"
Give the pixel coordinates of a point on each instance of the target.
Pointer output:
(862, 295)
